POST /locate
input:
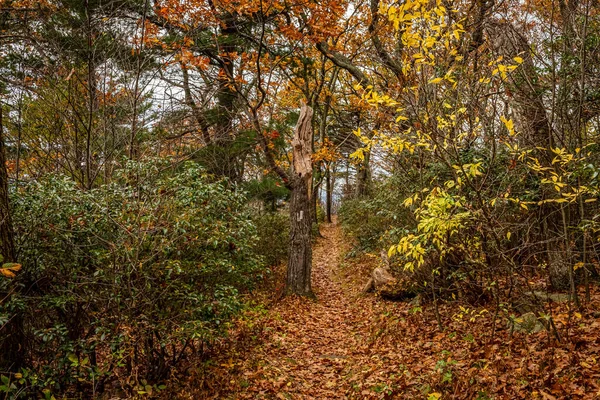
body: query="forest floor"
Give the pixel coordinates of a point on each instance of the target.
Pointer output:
(347, 346)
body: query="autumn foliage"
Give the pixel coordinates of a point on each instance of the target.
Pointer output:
(148, 199)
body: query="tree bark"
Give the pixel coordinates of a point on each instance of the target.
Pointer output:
(363, 177)
(300, 249)
(343, 62)
(6, 229)
(329, 188)
(390, 62)
(11, 334)
(300, 254)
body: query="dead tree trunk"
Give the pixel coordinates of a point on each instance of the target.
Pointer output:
(329, 188)
(300, 249)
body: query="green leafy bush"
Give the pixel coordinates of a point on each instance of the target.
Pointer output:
(377, 221)
(321, 214)
(123, 281)
(269, 191)
(273, 231)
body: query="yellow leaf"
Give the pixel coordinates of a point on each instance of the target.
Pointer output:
(9, 269)
(391, 251)
(518, 60)
(436, 80)
(508, 235)
(510, 126)
(358, 154)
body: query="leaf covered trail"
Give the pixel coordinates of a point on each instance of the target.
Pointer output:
(314, 346)
(346, 346)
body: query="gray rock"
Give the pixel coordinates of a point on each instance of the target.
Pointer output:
(527, 323)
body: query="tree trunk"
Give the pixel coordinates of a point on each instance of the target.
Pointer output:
(6, 231)
(300, 249)
(300, 252)
(11, 334)
(363, 178)
(328, 195)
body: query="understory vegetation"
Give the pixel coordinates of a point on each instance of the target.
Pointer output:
(128, 278)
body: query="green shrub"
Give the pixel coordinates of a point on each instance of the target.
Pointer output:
(273, 230)
(124, 280)
(377, 221)
(321, 215)
(269, 191)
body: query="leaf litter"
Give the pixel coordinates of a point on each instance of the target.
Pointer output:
(347, 346)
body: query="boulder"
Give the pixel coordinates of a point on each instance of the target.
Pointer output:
(384, 283)
(534, 300)
(551, 297)
(527, 323)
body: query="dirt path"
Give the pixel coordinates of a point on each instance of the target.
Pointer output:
(336, 347)
(315, 347)
(344, 346)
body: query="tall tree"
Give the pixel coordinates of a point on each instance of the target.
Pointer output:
(300, 250)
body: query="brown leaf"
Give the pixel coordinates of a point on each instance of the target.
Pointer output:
(547, 396)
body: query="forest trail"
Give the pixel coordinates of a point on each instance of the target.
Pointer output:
(318, 349)
(347, 346)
